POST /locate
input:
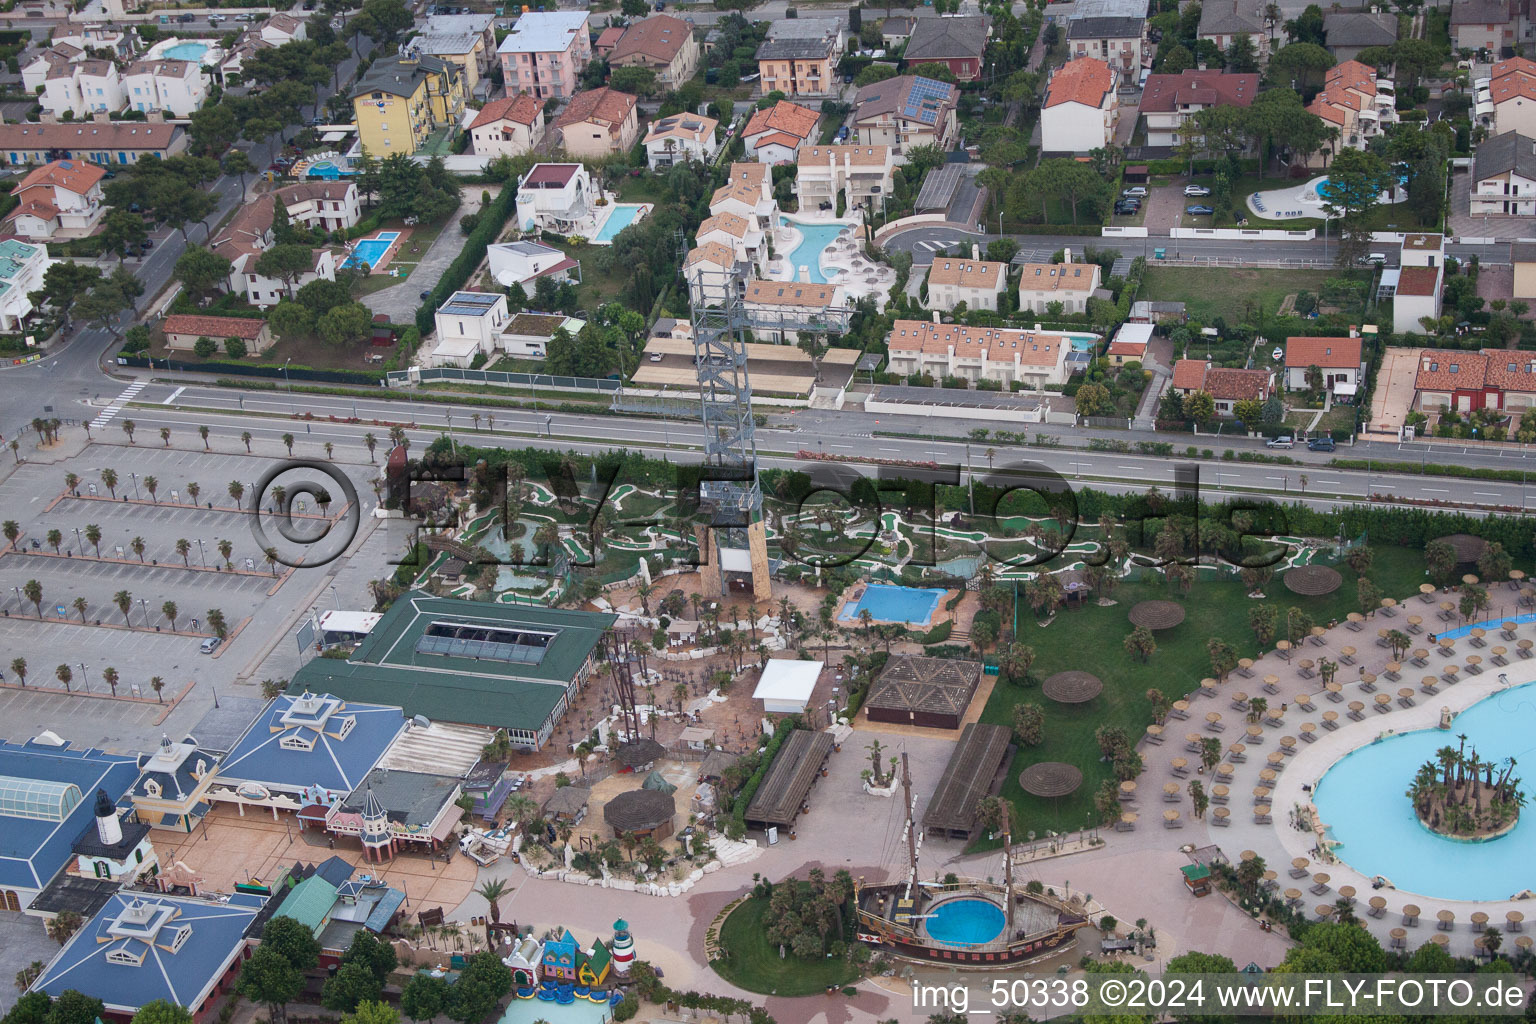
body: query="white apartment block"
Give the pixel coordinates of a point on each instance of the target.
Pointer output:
(174, 87)
(862, 173)
(1031, 359)
(977, 283)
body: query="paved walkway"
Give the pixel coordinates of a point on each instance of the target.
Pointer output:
(401, 301)
(1462, 222)
(1393, 397)
(1280, 746)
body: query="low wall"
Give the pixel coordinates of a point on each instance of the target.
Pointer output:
(1125, 232)
(916, 220)
(1245, 234)
(956, 412)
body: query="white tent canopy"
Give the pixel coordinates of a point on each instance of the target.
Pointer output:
(786, 685)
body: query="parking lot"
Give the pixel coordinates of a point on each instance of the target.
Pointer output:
(32, 496)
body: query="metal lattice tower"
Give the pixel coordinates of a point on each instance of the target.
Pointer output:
(725, 393)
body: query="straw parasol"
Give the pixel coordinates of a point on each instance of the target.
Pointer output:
(1411, 911)
(1221, 812)
(1171, 788)
(1156, 614)
(1322, 878)
(1415, 620)
(1378, 904)
(1317, 632)
(1170, 815)
(1213, 717)
(1247, 855)
(1513, 920)
(1275, 758)
(1154, 730)
(1425, 589)
(1181, 705)
(1389, 603)
(1466, 547)
(1072, 687)
(1330, 716)
(1292, 895)
(1385, 700)
(1179, 762)
(1445, 917)
(1224, 770)
(1283, 646)
(1347, 652)
(1219, 790)
(1308, 728)
(1129, 817)
(1524, 942)
(1355, 706)
(1050, 779)
(1440, 939)
(1346, 892)
(1312, 580)
(1261, 792)
(1470, 579)
(1254, 732)
(1399, 936)
(1128, 787)
(1355, 617)
(1367, 679)
(1334, 687)
(1325, 910)
(1268, 775)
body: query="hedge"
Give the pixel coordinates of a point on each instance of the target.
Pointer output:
(938, 634)
(1207, 166)
(492, 219)
(373, 378)
(770, 751)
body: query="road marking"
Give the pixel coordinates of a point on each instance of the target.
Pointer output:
(839, 446)
(890, 449)
(116, 407)
(1434, 490)
(1487, 494)
(174, 395)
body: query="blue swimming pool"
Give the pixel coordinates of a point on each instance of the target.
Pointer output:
(186, 51)
(1362, 798)
(887, 603)
(813, 239)
(323, 169)
(369, 251)
(579, 1010)
(623, 215)
(966, 922)
(1083, 342)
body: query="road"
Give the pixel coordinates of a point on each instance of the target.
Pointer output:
(924, 240)
(268, 415)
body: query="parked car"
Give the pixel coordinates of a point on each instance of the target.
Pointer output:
(1321, 444)
(1374, 259)
(245, 17)
(1200, 211)
(146, 245)
(424, 296)
(1135, 192)
(210, 645)
(186, 18)
(214, 19)
(1124, 209)
(1196, 190)
(1283, 441)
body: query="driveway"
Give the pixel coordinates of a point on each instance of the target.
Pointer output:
(1393, 395)
(1164, 206)
(1463, 223)
(400, 302)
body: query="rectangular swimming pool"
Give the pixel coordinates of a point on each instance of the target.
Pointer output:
(886, 603)
(623, 215)
(369, 251)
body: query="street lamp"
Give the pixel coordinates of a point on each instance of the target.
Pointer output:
(200, 557)
(80, 543)
(135, 477)
(145, 609)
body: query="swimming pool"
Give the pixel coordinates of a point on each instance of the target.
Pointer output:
(323, 169)
(886, 603)
(1083, 342)
(813, 239)
(623, 215)
(966, 922)
(578, 1011)
(1362, 798)
(186, 51)
(369, 251)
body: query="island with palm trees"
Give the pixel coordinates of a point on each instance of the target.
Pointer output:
(1463, 796)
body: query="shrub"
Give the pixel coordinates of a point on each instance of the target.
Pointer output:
(205, 347)
(235, 348)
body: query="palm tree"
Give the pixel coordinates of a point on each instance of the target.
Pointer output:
(183, 548)
(72, 483)
(109, 481)
(34, 593)
(65, 674)
(288, 441)
(152, 484)
(270, 554)
(165, 435)
(329, 448)
(193, 490)
(137, 545)
(157, 684)
(169, 610)
(128, 428)
(372, 443)
(203, 433)
(236, 492)
(11, 531)
(19, 666)
(109, 676)
(93, 537)
(80, 607)
(245, 435)
(225, 548)
(492, 891)
(55, 538)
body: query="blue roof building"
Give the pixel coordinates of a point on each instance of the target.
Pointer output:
(142, 947)
(335, 903)
(46, 799)
(305, 749)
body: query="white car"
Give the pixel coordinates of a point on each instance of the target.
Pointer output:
(214, 19)
(1196, 190)
(1135, 192)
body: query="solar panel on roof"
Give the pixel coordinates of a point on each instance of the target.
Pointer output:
(924, 99)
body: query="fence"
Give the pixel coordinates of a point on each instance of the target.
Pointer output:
(501, 378)
(255, 370)
(1245, 234)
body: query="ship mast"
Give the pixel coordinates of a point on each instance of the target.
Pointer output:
(1007, 872)
(906, 789)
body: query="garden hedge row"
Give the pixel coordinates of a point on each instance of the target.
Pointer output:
(492, 219)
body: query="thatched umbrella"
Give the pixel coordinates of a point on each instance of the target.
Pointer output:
(1312, 580)
(1156, 615)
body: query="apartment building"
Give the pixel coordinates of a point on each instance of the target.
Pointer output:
(1504, 176)
(776, 134)
(598, 123)
(748, 193)
(1169, 101)
(1222, 22)
(175, 87)
(800, 57)
(545, 53)
(1116, 41)
(1031, 359)
(1082, 107)
(99, 141)
(1512, 96)
(977, 283)
(467, 40)
(957, 41)
(402, 100)
(863, 174)
(906, 111)
(661, 43)
(747, 242)
(328, 205)
(679, 139)
(84, 87)
(510, 126)
(61, 196)
(22, 268)
(1357, 103)
(1071, 284)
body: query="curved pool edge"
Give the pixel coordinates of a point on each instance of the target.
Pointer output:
(1311, 765)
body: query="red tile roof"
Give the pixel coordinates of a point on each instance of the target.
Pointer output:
(603, 106)
(1166, 93)
(1490, 368)
(1233, 385)
(1189, 374)
(1418, 280)
(1084, 80)
(216, 327)
(551, 174)
(1324, 353)
(71, 175)
(522, 108)
(784, 116)
(659, 38)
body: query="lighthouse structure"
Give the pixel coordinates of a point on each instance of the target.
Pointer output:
(622, 949)
(108, 828)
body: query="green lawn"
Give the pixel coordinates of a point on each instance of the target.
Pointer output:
(1212, 292)
(1386, 217)
(1213, 609)
(753, 962)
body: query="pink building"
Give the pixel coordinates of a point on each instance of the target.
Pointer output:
(545, 53)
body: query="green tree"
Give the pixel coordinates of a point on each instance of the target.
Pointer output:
(636, 81)
(1199, 406)
(270, 978)
(201, 272)
(291, 321)
(372, 1012)
(1029, 724)
(480, 988)
(162, 1011)
(1094, 400)
(345, 325)
(353, 983)
(286, 263)
(424, 997)
(73, 1007)
(236, 162)
(293, 940)
(122, 231)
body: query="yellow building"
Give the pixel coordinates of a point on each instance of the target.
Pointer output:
(402, 100)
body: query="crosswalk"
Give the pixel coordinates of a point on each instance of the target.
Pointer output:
(1035, 254)
(110, 412)
(937, 246)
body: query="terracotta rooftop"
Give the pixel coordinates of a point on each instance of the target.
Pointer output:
(791, 293)
(682, 126)
(1353, 75)
(784, 116)
(1058, 277)
(1084, 80)
(659, 38)
(711, 252)
(994, 343)
(307, 190)
(522, 108)
(818, 156)
(604, 106)
(1189, 374)
(968, 273)
(1234, 385)
(1325, 353)
(730, 223)
(1450, 370)
(215, 327)
(1167, 93)
(74, 176)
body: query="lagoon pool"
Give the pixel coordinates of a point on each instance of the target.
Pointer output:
(578, 1011)
(369, 251)
(323, 169)
(623, 215)
(966, 922)
(887, 603)
(1362, 798)
(813, 239)
(186, 51)
(1083, 342)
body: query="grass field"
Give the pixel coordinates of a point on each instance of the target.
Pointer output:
(1213, 609)
(1211, 292)
(754, 963)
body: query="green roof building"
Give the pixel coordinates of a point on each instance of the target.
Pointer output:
(512, 667)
